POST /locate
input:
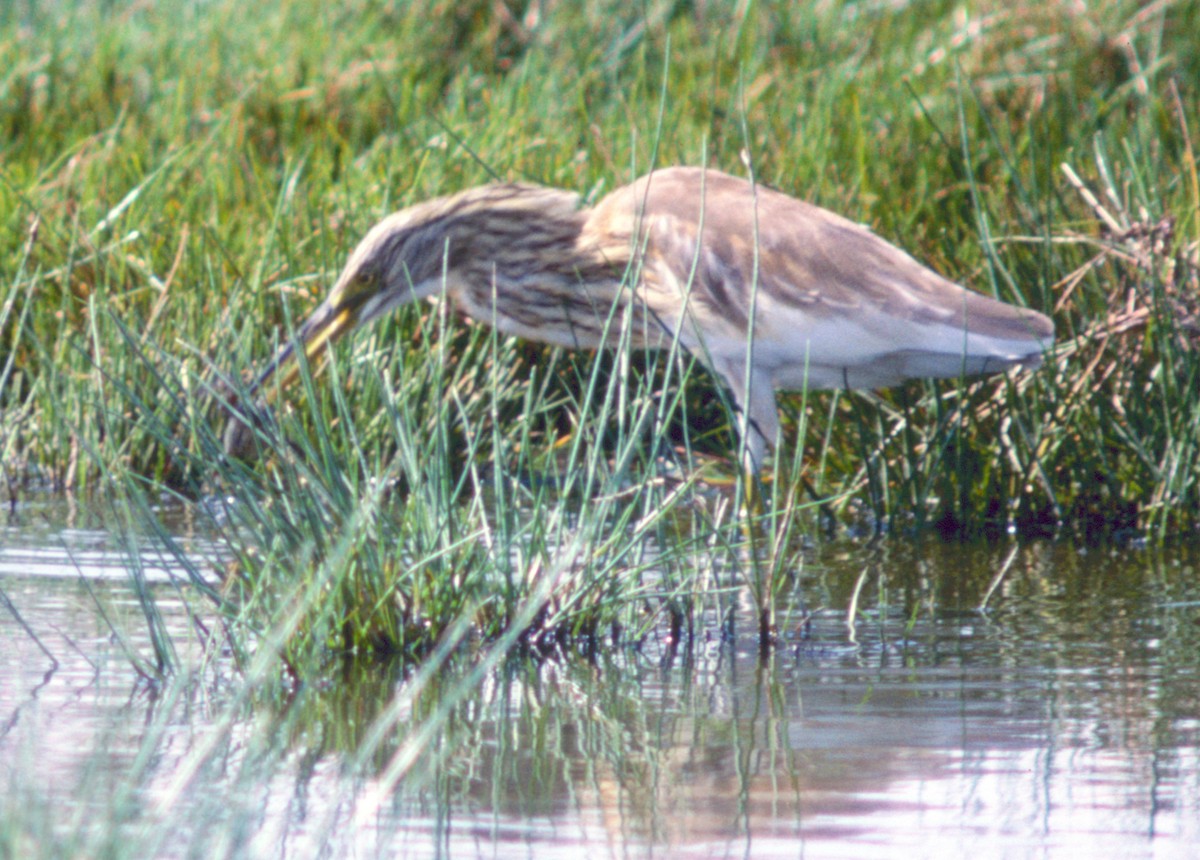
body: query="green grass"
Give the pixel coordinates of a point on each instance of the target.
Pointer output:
(178, 183)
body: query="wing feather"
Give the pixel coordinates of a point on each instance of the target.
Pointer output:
(834, 304)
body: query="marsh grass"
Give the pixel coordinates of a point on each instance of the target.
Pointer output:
(180, 185)
(448, 510)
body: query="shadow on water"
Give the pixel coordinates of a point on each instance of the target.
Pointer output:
(1065, 715)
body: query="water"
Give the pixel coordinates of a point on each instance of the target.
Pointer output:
(1063, 719)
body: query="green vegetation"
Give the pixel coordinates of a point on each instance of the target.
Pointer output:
(180, 181)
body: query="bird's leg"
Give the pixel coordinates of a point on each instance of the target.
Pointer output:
(753, 448)
(758, 427)
(754, 452)
(758, 420)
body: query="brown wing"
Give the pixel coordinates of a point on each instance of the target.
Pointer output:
(830, 293)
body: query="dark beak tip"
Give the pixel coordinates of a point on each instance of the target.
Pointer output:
(243, 422)
(238, 440)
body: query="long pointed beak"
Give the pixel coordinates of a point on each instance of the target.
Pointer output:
(327, 323)
(333, 318)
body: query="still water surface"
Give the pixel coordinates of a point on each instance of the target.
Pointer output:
(1063, 720)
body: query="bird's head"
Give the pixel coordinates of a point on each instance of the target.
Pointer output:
(441, 246)
(405, 257)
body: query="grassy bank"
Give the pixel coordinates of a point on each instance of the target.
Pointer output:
(178, 182)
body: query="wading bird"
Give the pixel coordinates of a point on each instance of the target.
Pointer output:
(767, 291)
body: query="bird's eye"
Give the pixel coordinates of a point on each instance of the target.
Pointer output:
(365, 279)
